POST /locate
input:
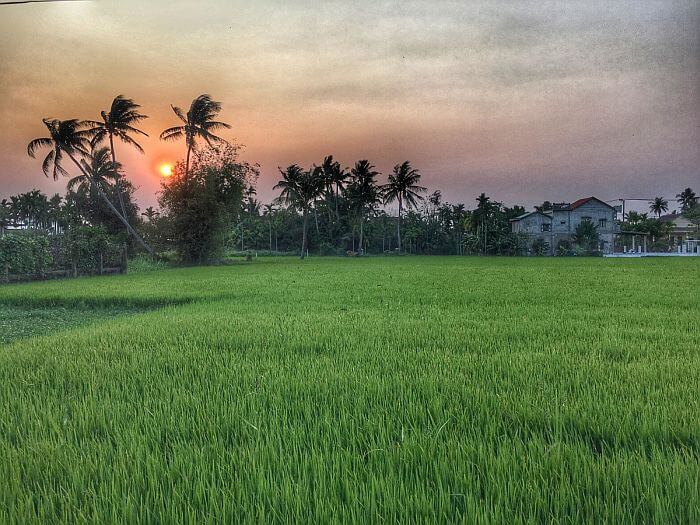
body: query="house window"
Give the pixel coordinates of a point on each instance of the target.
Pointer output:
(547, 227)
(602, 223)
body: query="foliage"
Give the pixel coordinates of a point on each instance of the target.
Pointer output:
(24, 253)
(202, 203)
(586, 238)
(90, 247)
(143, 264)
(397, 390)
(540, 247)
(693, 215)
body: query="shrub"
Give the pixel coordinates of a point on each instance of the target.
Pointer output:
(144, 264)
(24, 253)
(84, 245)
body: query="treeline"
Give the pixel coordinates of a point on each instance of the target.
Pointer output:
(208, 207)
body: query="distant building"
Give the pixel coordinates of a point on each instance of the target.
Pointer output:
(560, 223)
(683, 229)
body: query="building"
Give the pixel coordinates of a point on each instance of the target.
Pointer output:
(559, 223)
(682, 229)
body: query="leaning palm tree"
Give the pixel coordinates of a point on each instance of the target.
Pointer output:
(658, 206)
(198, 124)
(687, 199)
(71, 138)
(363, 193)
(119, 122)
(300, 189)
(403, 187)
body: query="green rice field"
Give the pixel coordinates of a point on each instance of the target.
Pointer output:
(376, 390)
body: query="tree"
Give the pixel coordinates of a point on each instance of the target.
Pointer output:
(687, 199)
(586, 236)
(150, 213)
(70, 137)
(299, 189)
(335, 178)
(658, 206)
(201, 204)
(97, 172)
(693, 215)
(403, 187)
(363, 192)
(119, 122)
(199, 123)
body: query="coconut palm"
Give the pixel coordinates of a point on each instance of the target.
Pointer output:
(199, 123)
(269, 213)
(300, 189)
(98, 170)
(334, 177)
(150, 213)
(687, 199)
(403, 187)
(363, 192)
(658, 206)
(119, 122)
(71, 138)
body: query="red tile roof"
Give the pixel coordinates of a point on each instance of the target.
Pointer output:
(583, 201)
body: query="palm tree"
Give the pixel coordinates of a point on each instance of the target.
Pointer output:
(198, 124)
(403, 187)
(98, 172)
(658, 206)
(363, 192)
(269, 213)
(334, 178)
(70, 137)
(687, 199)
(150, 213)
(120, 122)
(300, 189)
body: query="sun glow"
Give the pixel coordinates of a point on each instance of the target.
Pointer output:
(166, 170)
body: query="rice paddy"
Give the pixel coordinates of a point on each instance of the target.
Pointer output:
(378, 390)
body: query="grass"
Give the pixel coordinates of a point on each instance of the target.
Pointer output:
(390, 390)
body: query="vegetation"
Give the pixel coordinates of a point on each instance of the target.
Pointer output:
(358, 390)
(201, 202)
(658, 206)
(198, 123)
(120, 122)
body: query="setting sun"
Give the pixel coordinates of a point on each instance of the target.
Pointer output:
(166, 170)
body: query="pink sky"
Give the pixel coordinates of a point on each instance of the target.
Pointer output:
(526, 101)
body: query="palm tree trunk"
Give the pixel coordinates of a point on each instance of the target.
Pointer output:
(187, 161)
(337, 194)
(316, 218)
(117, 178)
(362, 224)
(270, 235)
(398, 226)
(303, 236)
(102, 194)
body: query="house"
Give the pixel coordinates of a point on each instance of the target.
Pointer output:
(682, 228)
(559, 223)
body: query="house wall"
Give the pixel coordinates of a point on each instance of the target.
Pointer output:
(531, 224)
(565, 221)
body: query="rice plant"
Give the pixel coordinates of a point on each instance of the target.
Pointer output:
(385, 390)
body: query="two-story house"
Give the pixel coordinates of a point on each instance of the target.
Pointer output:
(560, 222)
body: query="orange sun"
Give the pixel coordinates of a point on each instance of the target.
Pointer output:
(166, 170)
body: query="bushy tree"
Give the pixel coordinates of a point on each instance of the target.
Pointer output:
(202, 202)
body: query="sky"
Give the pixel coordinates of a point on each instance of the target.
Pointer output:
(524, 100)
